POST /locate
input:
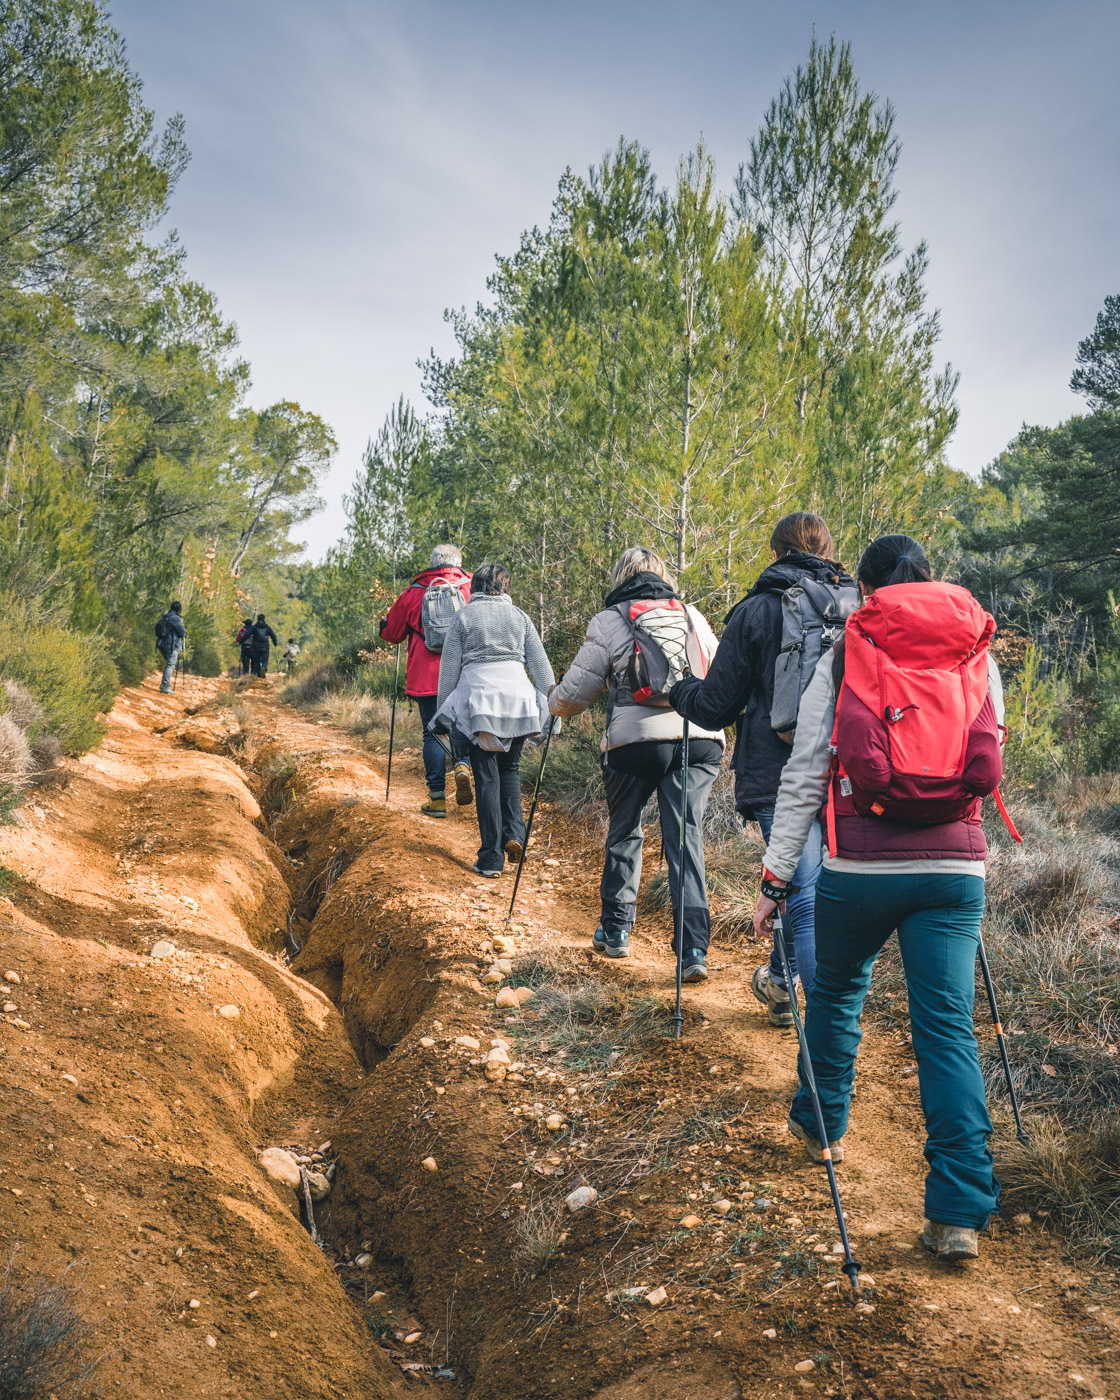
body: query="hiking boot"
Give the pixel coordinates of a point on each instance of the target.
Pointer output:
(436, 805)
(695, 966)
(464, 793)
(773, 996)
(614, 942)
(513, 851)
(950, 1242)
(486, 874)
(813, 1146)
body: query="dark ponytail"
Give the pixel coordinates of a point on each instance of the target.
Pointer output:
(893, 559)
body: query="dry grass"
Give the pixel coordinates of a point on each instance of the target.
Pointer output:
(18, 702)
(16, 762)
(590, 1021)
(538, 1233)
(44, 1342)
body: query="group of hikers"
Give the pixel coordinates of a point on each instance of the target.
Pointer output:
(254, 641)
(867, 715)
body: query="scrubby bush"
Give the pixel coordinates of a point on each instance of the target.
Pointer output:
(44, 1342)
(70, 674)
(15, 755)
(17, 702)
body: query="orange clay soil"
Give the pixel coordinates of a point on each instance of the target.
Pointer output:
(134, 1111)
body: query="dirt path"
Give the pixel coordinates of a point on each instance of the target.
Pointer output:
(153, 1149)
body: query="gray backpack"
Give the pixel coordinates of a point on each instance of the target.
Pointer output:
(813, 617)
(443, 601)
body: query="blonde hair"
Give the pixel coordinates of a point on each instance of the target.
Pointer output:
(638, 560)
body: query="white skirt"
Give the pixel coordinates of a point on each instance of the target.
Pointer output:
(494, 703)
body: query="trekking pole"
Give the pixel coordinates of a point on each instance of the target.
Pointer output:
(1020, 1131)
(678, 1019)
(393, 723)
(850, 1266)
(532, 814)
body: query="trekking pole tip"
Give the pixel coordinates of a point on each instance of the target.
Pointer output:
(852, 1269)
(1023, 1136)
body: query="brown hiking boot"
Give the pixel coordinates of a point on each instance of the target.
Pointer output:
(435, 806)
(513, 851)
(813, 1147)
(773, 996)
(464, 793)
(950, 1242)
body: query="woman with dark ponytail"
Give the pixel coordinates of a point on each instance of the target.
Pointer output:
(900, 763)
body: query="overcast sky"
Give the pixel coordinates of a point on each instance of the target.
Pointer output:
(356, 165)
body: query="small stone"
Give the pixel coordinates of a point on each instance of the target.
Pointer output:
(70, 1079)
(211, 1341)
(492, 975)
(495, 1071)
(1014, 1311)
(690, 1222)
(377, 1295)
(318, 1185)
(582, 1198)
(503, 965)
(503, 944)
(865, 1308)
(524, 994)
(427, 1041)
(229, 1011)
(256, 1293)
(554, 1122)
(722, 1207)
(763, 1203)
(429, 1164)
(10, 1006)
(412, 1337)
(281, 1166)
(23, 1025)
(1022, 1219)
(468, 1042)
(932, 1307)
(656, 1296)
(163, 949)
(771, 1334)
(805, 1366)
(866, 1281)
(363, 1261)
(194, 1303)
(13, 977)
(498, 1055)
(507, 997)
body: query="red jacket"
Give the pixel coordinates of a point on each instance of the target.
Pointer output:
(421, 676)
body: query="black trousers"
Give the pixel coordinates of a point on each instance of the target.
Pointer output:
(497, 800)
(259, 661)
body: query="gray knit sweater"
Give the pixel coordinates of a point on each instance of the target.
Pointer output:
(490, 628)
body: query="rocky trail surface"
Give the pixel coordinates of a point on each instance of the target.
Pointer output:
(528, 1189)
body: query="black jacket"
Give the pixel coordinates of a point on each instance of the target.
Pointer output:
(260, 636)
(739, 688)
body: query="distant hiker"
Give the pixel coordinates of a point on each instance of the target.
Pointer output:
(291, 651)
(423, 613)
(244, 641)
(170, 636)
(485, 693)
(770, 646)
(259, 639)
(898, 737)
(641, 755)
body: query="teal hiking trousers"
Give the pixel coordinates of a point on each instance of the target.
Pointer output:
(938, 922)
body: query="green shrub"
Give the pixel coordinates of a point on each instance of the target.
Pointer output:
(70, 674)
(1036, 709)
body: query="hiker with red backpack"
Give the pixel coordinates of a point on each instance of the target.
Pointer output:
(898, 740)
(771, 643)
(641, 644)
(424, 613)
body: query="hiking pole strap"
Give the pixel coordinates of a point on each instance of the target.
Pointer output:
(1020, 1131)
(851, 1266)
(678, 1019)
(532, 814)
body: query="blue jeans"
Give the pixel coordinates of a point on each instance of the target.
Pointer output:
(938, 922)
(435, 755)
(170, 658)
(800, 931)
(497, 801)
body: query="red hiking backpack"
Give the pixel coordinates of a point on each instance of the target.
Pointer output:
(665, 647)
(916, 738)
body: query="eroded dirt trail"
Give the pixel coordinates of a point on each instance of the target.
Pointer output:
(356, 1041)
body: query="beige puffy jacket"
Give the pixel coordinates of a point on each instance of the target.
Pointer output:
(601, 663)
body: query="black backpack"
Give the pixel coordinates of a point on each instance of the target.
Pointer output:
(813, 618)
(260, 634)
(163, 631)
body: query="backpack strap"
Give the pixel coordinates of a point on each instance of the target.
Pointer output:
(1012, 832)
(835, 775)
